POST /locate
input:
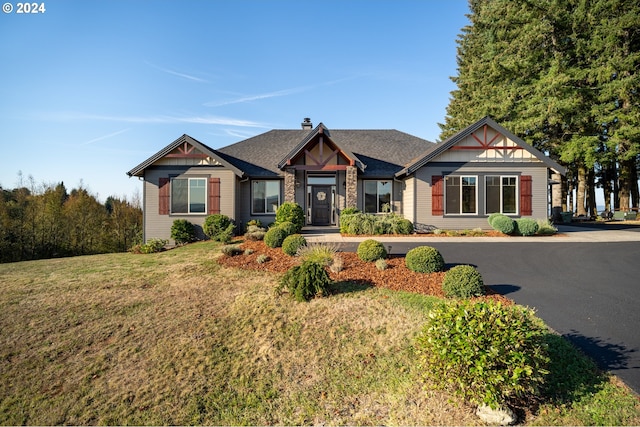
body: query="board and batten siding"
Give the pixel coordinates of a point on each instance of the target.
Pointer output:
(159, 226)
(423, 189)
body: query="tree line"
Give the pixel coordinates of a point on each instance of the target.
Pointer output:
(47, 221)
(563, 76)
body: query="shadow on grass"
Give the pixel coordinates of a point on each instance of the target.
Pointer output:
(348, 286)
(572, 375)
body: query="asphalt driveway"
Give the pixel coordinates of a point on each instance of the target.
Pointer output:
(588, 291)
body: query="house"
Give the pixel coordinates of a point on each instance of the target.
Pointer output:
(454, 184)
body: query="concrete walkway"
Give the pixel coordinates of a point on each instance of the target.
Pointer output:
(588, 233)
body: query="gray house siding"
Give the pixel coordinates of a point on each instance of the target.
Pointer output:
(409, 199)
(423, 206)
(159, 226)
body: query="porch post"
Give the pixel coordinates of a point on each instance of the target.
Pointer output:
(352, 187)
(289, 185)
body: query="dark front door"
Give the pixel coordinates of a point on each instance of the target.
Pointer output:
(321, 205)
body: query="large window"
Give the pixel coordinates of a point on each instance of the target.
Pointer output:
(461, 195)
(189, 195)
(501, 194)
(377, 196)
(265, 197)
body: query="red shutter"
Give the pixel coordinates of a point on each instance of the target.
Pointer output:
(526, 196)
(214, 196)
(163, 192)
(437, 195)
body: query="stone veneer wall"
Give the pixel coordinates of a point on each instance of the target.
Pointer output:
(289, 185)
(352, 187)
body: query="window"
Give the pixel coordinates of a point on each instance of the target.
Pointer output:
(501, 194)
(377, 196)
(265, 197)
(460, 195)
(189, 195)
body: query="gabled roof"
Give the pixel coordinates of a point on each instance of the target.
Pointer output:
(443, 146)
(384, 151)
(208, 151)
(321, 129)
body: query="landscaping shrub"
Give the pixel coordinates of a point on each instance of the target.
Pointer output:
(337, 265)
(152, 246)
(492, 217)
(274, 237)
(463, 281)
(218, 227)
(371, 250)
(545, 228)
(424, 259)
(289, 227)
(381, 264)
(323, 253)
(484, 352)
(262, 258)
(291, 244)
(305, 281)
(404, 226)
(231, 250)
(182, 231)
(292, 212)
(504, 224)
(349, 211)
(254, 233)
(254, 223)
(526, 226)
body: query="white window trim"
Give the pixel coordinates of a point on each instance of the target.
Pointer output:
(265, 199)
(475, 213)
(517, 212)
(189, 179)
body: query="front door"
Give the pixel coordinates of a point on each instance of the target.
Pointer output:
(321, 205)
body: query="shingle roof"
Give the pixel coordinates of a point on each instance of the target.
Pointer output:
(384, 152)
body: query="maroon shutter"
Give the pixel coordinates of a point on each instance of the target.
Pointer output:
(437, 195)
(163, 191)
(526, 196)
(214, 196)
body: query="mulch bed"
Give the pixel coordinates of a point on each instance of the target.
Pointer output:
(396, 277)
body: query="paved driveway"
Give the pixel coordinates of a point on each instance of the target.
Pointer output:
(588, 291)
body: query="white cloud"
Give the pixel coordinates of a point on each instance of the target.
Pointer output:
(100, 138)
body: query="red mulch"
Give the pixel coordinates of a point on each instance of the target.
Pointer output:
(396, 277)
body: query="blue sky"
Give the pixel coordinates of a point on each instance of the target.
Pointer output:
(91, 89)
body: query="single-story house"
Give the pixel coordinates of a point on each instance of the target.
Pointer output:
(454, 184)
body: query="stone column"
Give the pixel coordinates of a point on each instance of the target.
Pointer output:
(289, 185)
(556, 197)
(352, 187)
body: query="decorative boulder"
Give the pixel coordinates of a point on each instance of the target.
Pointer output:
(501, 416)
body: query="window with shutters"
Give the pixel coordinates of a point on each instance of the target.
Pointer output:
(501, 194)
(189, 195)
(460, 195)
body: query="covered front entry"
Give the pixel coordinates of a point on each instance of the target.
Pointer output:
(321, 196)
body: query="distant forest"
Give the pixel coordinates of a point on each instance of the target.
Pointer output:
(48, 221)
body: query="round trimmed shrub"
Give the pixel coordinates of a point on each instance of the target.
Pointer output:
(504, 224)
(371, 250)
(292, 212)
(291, 244)
(463, 281)
(424, 259)
(526, 226)
(405, 226)
(274, 237)
(492, 217)
(305, 281)
(182, 231)
(289, 227)
(484, 351)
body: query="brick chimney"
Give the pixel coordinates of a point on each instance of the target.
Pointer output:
(306, 124)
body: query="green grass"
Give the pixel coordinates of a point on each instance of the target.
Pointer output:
(173, 338)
